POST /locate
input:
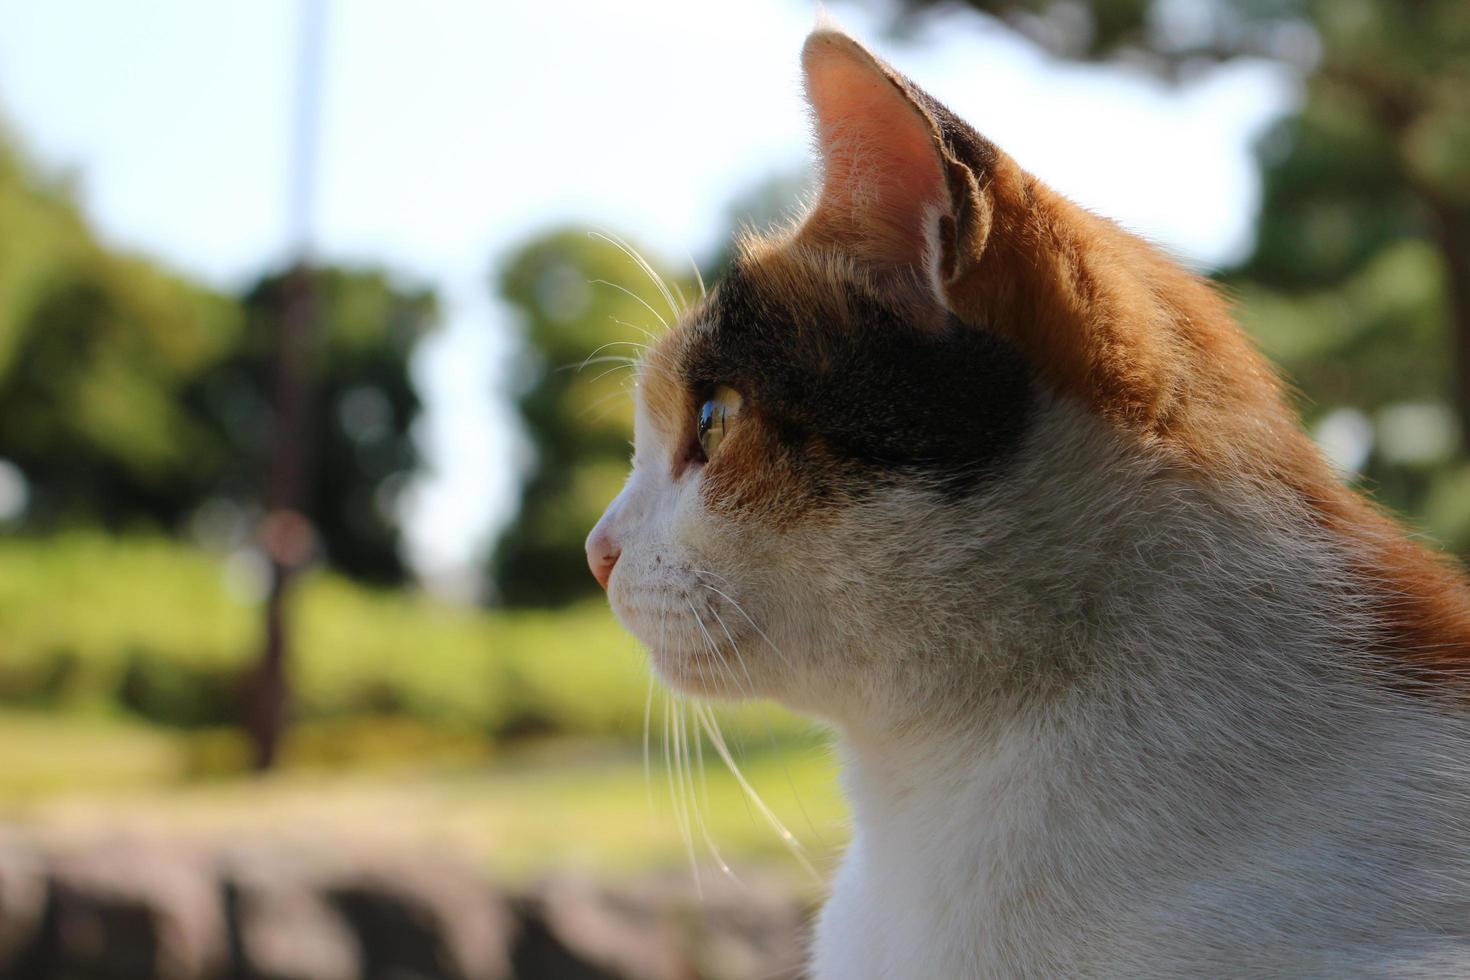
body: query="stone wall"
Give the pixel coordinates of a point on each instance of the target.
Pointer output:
(130, 910)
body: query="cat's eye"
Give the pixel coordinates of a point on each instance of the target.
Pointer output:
(716, 416)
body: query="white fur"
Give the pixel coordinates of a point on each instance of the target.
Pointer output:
(1098, 720)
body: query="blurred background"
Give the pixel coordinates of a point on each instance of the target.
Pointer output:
(303, 423)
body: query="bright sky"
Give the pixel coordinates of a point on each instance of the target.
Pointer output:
(451, 131)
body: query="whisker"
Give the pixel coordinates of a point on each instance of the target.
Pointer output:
(698, 277)
(623, 365)
(705, 571)
(730, 684)
(647, 719)
(633, 326)
(613, 343)
(671, 765)
(586, 414)
(736, 606)
(694, 797)
(711, 726)
(676, 795)
(736, 652)
(642, 263)
(635, 297)
(681, 777)
(770, 734)
(702, 713)
(703, 784)
(604, 359)
(748, 690)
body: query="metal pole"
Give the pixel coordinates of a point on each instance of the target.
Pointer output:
(285, 533)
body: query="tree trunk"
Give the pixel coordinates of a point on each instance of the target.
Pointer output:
(285, 534)
(1454, 245)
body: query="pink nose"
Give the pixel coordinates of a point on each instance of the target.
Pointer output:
(602, 554)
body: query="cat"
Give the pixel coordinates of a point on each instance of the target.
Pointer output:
(1125, 682)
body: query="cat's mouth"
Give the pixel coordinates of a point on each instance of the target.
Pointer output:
(697, 641)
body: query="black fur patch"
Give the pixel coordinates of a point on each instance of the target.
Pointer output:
(876, 392)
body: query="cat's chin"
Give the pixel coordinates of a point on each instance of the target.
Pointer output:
(699, 674)
(692, 665)
(693, 648)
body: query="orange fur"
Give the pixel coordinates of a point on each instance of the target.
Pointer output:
(1155, 351)
(1106, 318)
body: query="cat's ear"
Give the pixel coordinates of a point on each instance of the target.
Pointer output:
(886, 190)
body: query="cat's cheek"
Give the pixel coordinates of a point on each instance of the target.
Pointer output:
(640, 523)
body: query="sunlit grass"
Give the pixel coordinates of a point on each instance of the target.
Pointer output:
(42, 755)
(79, 612)
(515, 738)
(563, 804)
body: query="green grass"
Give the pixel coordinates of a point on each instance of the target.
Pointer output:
(514, 737)
(587, 805)
(151, 627)
(43, 755)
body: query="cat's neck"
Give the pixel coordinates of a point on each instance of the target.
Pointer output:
(1053, 825)
(1140, 636)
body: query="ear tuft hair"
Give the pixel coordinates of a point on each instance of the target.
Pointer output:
(884, 186)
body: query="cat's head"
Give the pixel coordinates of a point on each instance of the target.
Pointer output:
(928, 418)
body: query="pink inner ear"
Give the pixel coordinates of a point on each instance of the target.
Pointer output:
(882, 178)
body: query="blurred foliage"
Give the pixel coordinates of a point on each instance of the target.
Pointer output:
(382, 783)
(585, 306)
(97, 351)
(1359, 283)
(130, 396)
(159, 631)
(364, 405)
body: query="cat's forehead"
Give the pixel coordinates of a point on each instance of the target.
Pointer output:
(765, 319)
(774, 321)
(780, 303)
(831, 366)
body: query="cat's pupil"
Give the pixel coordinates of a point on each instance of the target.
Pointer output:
(714, 418)
(711, 426)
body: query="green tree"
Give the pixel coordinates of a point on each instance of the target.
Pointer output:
(358, 438)
(130, 395)
(97, 350)
(584, 304)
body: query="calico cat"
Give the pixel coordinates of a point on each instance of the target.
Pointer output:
(1126, 683)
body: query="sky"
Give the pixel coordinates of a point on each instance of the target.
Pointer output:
(449, 132)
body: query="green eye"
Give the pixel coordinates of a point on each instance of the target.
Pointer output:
(716, 416)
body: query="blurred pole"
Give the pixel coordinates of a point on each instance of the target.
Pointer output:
(1455, 246)
(285, 533)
